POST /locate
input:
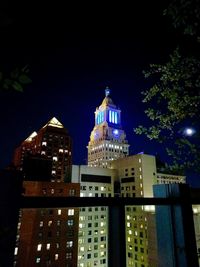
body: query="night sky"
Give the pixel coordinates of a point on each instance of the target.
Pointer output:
(73, 53)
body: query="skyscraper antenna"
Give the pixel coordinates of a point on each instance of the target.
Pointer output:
(107, 91)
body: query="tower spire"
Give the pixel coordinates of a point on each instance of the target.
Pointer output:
(107, 91)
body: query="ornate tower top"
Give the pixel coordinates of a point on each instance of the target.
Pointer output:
(107, 139)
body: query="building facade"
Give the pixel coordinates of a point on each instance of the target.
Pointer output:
(108, 139)
(47, 237)
(93, 221)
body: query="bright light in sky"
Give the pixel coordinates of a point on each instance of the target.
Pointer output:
(189, 131)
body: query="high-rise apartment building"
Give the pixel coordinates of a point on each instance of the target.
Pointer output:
(108, 139)
(47, 236)
(93, 221)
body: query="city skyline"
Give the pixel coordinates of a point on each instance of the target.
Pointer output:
(71, 66)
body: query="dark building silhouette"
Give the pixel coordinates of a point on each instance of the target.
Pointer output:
(10, 191)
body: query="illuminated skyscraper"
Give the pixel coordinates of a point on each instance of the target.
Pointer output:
(108, 139)
(52, 142)
(47, 237)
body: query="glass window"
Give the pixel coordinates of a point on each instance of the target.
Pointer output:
(39, 247)
(70, 212)
(37, 260)
(69, 244)
(69, 255)
(70, 222)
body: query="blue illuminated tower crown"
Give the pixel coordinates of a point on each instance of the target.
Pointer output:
(107, 139)
(108, 112)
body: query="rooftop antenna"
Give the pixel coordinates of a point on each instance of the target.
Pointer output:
(107, 91)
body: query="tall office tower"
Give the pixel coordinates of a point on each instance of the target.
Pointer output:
(47, 236)
(93, 221)
(108, 139)
(51, 142)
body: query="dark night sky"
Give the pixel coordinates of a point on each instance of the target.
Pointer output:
(74, 53)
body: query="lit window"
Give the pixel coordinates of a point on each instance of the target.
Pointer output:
(70, 222)
(49, 223)
(128, 224)
(69, 244)
(19, 225)
(70, 212)
(52, 191)
(53, 172)
(81, 225)
(55, 158)
(44, 143)
(102, 224)
(48, 246)
(60, 150)
(129, 239)
(39, 247)
(140, 160)
(56, 257)
(43, 153)
(16, 251)
(140, 176)
(59, 212)
(130, 232)
(72, 192)
(37, 260)
(141, 185)
(69, 255)
(90, 194)
(41, 223)
(140, 169)
(136, 233)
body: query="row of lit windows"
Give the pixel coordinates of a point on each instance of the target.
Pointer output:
(92, 264)
(69, 244)
(90, 232)
(70, 212)
(108, 146)
(96, 188)
(96, 239)
(90, 209)
(49, 223)
(71, 192)
(96, 224)
(90, 217)
(56, 257)
(89, 255)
